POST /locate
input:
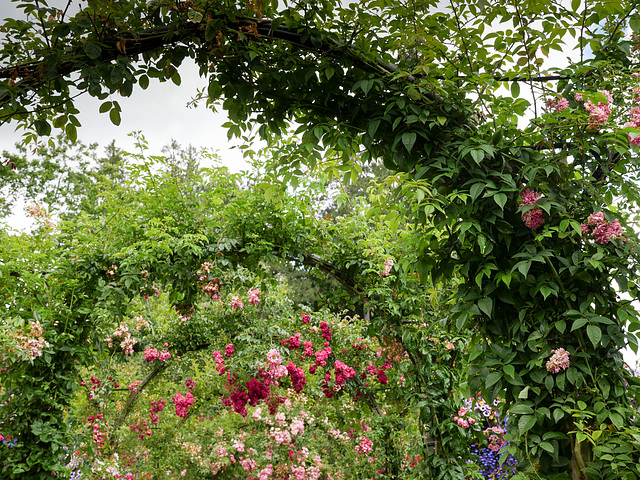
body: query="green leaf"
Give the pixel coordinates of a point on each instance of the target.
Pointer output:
(143, 81)
(476, 189)
(71, 131)
(114, 116)
(575, 5)
(521, 409)
(486, 306)
(105, 107)
(515, 89)
(526, 423)
(548, 382)
(195, 16)
(580, 322)
(634, 22)
(43, 127)
(92, 49)
(616, 419)
(595, 334)
(558, 414)
(477, 155)
(408, 139)
(509, 370)
(501, 200)
(175, 78)
(492, 379)
(329, 71)
(372, 128)
(547, 447)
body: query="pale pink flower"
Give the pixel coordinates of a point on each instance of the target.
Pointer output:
(558, 361)
(387, 267)
(236, 303)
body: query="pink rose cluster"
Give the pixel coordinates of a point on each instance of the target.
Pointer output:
(387, 267)
(462, 421)
(598, 114)
(292, 342)
(531, 218)
(236, 303)
(365, 446)
(151, 354)
(634, 122)
(182, 404)
(558, 104)
(156, 407)
(326, 331)
(219, 362)
(127, 342)
(296, 374)
(603, 231)
(253, 296)
(558, 361)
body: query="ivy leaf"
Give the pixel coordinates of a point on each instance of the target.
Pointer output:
(595, 334)
(408, 139)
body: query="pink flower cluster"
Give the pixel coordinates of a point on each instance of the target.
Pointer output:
(496, 441)
(532, 218)
(326, 331)
(156, 407)
(219, 362)
(236, 303)
(365, 446)
(603, 231)
(253, 296)
(100, 432)
(462, 421)
(296, 374)
(558, 361)
(343, 372)
(305, 318)
(598, 114)
(634, 122)
(387, 267)
(127, 340)
(147, 290)
(142, 428)
(229, 350)
(559, 105)
(182, 404)
(190, 384)
(292, 342)
(151, 354)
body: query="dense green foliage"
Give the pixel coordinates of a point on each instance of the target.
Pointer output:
(496, 205)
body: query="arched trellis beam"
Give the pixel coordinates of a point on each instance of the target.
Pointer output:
(27, 78)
